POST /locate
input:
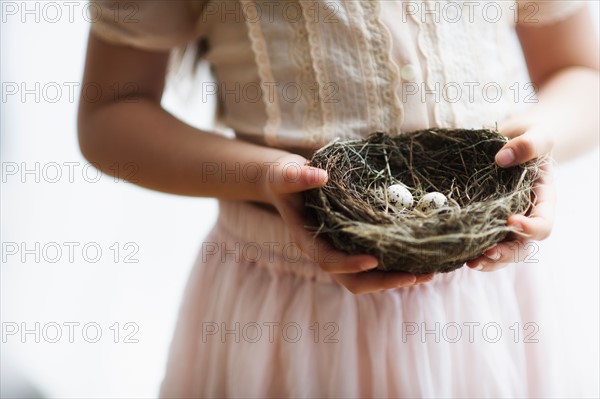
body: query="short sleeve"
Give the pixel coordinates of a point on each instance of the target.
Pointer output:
(147, 24)
(546, 12)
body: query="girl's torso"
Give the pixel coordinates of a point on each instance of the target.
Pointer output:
(298, 73)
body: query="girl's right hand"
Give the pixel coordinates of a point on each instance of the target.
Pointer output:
(289, 176)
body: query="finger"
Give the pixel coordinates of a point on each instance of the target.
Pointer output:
(513, 127)
(484, 265)
(425, 278)
(375, 281)
(538, 225)
(529, 145)
(503, 254)
(477, 264)
(337, 262)
(320, 252)
(291, 175)
(536, 228)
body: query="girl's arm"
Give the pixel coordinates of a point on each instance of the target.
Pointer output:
(563, 62)
(170, 156)
(127, 125)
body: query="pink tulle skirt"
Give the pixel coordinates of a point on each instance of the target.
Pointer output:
(260, 320)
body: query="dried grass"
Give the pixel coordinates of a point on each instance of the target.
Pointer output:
(456, 162)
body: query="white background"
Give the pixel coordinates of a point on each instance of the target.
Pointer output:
(168, 231)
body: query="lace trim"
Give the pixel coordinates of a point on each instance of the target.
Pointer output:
(384, 111)
(320, 70)
(259, 47)
(322, 120)
(301, 57)
(428, 45)
(367, 61)
(386, 71)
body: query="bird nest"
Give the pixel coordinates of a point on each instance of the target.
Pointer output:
(354, 213)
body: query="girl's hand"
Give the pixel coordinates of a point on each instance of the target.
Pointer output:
(528, 141)
(288, 177)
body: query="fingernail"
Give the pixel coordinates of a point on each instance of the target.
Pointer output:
(370, 265)
(479, 267)
(493, 253)
(316, 176)
(412, 281)
(505, 157)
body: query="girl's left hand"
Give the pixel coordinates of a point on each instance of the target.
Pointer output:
(527, 141)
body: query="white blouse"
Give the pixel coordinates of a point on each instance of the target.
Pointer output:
(299, 73)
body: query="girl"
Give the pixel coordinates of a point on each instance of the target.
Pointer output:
(268, 310)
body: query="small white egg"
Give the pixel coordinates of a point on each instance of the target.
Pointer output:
(399, 196)
(432, 201)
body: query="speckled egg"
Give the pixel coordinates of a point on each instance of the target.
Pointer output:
(399, 196)
(432, 201)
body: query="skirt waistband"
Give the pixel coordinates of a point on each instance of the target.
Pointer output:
(253, 235)
(259, 236)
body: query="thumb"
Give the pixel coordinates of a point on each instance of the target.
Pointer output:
(291, 174)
